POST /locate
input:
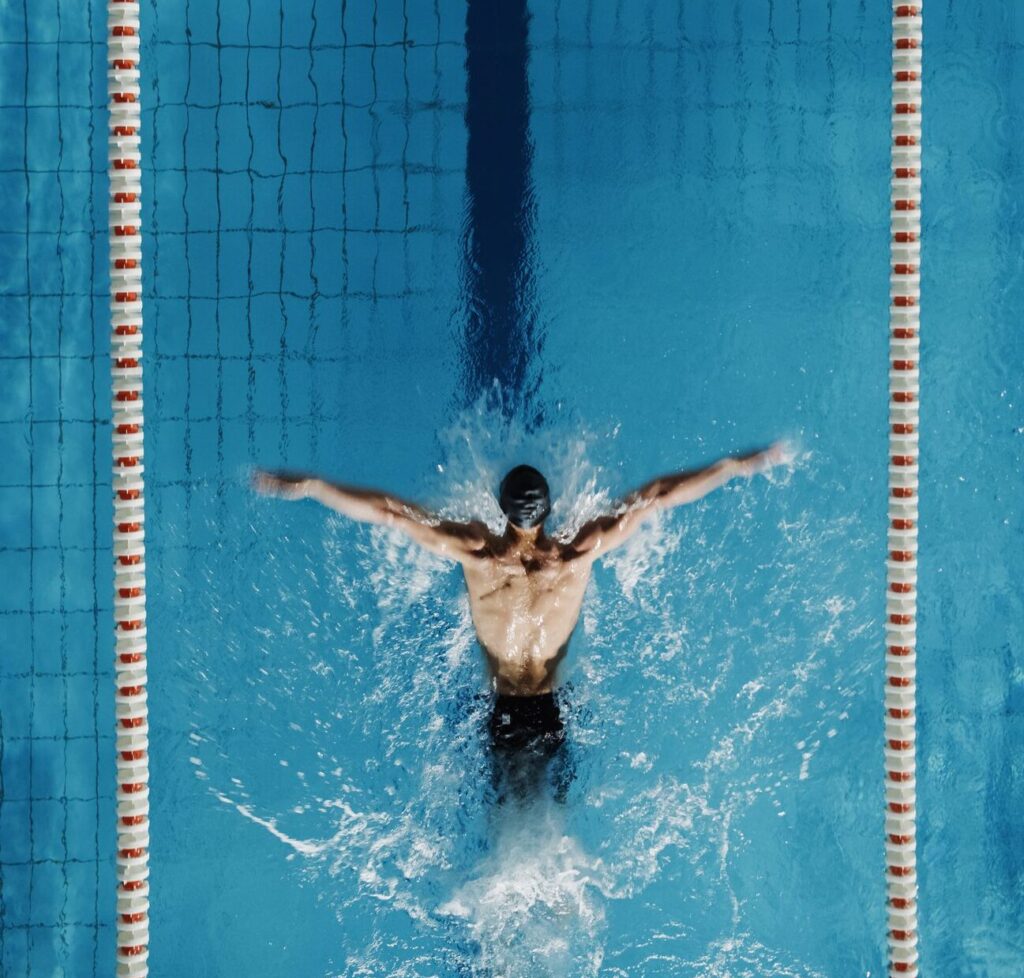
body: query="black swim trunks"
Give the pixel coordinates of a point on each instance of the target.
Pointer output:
(528, 748)
(531, 723)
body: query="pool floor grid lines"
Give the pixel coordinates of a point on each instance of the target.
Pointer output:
(304, 190)
(901, 593)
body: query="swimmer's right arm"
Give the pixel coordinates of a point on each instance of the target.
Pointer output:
(456, 541)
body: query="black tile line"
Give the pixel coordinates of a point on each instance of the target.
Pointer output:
(742, 114)
(250, 395)
(32, 496)
(557, 122)
(406, 308)
(63, 584)
(212, 232)
(435, 154)
(236, 297)
(55, 738)
(316, 395)
(70, 861)
(650, 135)
(282, 373)
(187, 446)
(680, 90)
(345, 272)
(221, 497)
(152, 337)
(707, 150)
(271, 106)
(802, 112)
(232, 46)
(49, 927)
(771, 67)
(374, 114)
(251, 171)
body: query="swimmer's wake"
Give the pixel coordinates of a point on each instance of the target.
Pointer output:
(534, 905)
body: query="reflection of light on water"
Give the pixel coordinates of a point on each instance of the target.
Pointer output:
(368, 760)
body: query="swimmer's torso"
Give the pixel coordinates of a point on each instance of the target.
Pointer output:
(525, 605)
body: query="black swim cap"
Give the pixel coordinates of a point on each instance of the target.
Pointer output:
(524, 497)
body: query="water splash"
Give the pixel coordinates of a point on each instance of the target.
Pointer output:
(535, 904)
(690, 707)
(484, 442)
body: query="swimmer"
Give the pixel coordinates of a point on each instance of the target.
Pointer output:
(525, 588)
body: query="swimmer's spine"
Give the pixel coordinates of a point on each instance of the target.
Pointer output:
(901, 592)
(132, 736)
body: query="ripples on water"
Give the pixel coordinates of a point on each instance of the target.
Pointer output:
(358, 744)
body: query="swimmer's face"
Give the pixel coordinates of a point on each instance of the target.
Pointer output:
(524, 497)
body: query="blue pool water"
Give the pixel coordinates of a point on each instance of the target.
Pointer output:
(666, 241)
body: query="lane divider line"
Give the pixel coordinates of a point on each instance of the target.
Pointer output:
(132, 730)
(901, 590)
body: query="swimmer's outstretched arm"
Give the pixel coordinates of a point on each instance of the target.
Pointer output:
(456, 541)
(604, 534)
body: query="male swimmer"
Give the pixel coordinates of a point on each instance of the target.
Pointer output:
(525, 588)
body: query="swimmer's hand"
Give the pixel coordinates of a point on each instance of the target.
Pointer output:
(778, 453)
(284, 485)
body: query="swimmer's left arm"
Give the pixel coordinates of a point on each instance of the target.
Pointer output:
(456, 541)
(604, 534)
(687, 487)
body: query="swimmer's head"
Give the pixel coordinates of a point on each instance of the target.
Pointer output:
(524, 497)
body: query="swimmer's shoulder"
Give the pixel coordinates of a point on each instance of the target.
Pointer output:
(568, 554)
(479, 542)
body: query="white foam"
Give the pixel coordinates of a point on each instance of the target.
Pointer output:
(534, 905)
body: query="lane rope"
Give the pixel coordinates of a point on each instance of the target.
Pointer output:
(129, 517)
(132, 732)
(901, 593)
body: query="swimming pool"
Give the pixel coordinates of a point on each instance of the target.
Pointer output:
(701, 237)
